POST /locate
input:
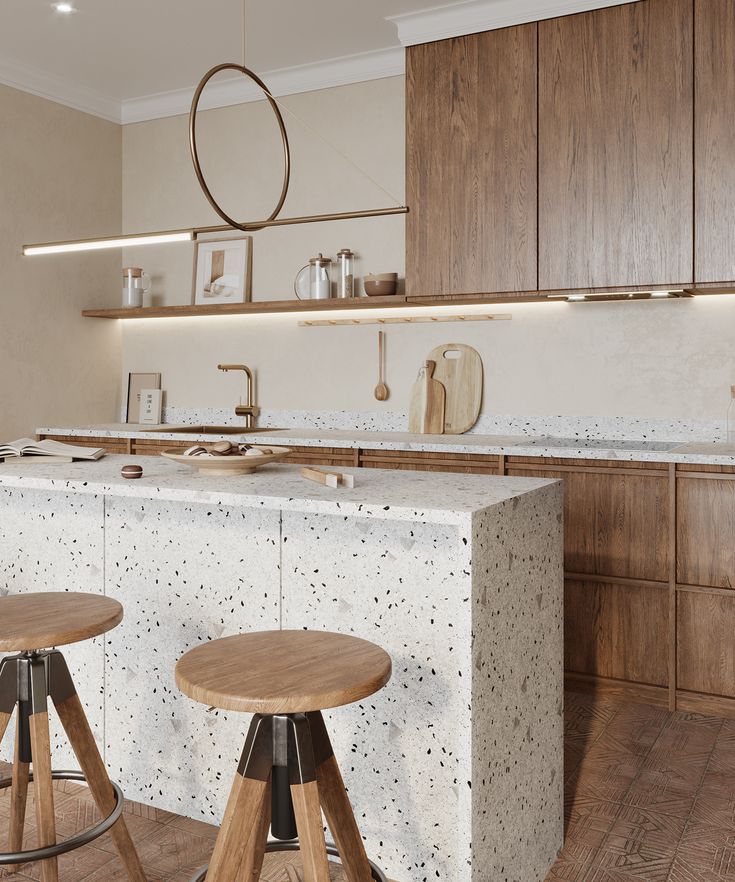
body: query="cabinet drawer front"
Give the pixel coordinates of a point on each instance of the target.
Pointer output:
(617, 631)
(705, 532)
(614, 524)
(705, 627)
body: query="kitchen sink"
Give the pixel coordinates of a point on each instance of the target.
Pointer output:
(209, 430)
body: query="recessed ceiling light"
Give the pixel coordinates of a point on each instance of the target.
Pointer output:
(65, 8)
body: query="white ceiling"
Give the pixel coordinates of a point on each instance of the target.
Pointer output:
(129, 60)
(129, 48)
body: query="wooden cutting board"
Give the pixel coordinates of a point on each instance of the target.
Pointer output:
(426, 410)
(459, 370)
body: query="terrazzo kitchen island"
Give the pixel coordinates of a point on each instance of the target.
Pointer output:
(455, 768)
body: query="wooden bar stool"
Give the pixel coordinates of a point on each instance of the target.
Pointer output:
(288, 772)
(28, 623)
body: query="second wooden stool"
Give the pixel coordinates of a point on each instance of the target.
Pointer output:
(288, 772)
(28, 623)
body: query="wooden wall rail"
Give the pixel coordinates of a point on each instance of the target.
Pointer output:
(649, 559)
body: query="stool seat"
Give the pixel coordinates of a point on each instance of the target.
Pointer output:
(54, 618)
(283, 672)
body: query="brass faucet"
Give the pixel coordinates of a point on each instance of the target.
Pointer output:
(250, 410)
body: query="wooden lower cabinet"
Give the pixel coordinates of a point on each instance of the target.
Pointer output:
(617, 631)
(705, 625)
(616, 519)
(649, 560)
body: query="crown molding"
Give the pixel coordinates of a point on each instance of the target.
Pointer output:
(473, 16)
(286, 81)
(38, 82)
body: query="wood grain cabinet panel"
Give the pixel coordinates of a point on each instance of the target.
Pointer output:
(705, 544)
(615, 146)
(471, 158)
(714, 140)
(614, 524)
(616, 631)
(706, 643)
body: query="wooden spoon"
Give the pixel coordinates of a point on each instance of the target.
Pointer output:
(381, 390)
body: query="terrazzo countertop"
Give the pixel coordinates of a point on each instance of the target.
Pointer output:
(387, 495)
(704, 453)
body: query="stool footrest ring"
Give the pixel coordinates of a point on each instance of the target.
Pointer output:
(83, 838)
(293, 845)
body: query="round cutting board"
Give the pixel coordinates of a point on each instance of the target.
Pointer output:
(459, 370)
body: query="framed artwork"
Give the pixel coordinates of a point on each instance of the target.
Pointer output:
(223, 270)
(136, 384)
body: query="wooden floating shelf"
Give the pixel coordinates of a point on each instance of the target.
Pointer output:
(263, 307)
(266, 307)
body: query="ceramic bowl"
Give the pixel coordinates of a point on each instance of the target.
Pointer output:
(380, 284)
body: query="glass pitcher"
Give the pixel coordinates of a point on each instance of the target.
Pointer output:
(312, 281)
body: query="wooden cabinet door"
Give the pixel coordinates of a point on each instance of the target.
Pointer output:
(615, 525)
(471, 107)
(705, 527)
(705, 625)
(617, 631)
(714, 140)
(615, 147)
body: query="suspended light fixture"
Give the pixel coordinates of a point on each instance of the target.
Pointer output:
(273, 219)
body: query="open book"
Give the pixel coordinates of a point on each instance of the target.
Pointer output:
(48, 448)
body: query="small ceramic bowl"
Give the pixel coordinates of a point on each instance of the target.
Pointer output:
(380, 284)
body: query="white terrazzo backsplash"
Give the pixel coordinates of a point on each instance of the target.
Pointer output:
(586, 427)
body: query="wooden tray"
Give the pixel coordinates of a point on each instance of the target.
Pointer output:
(227, 465)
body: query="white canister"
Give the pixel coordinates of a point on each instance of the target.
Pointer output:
(136, 283)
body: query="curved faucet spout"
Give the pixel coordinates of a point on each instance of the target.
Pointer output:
(250, 411)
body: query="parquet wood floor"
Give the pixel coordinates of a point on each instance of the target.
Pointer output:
(650, 797)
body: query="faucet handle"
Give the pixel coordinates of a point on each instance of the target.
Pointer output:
(247, 410)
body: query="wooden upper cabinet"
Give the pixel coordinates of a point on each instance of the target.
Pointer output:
(616, 146)
(471, 110)
(715, 140)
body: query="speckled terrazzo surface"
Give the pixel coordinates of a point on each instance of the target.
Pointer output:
(694, 444)
(439, 498)
(452, 767)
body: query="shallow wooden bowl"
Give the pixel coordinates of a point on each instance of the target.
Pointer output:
(227, 465)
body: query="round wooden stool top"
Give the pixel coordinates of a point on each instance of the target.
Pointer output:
(283, 672)
(54, 618)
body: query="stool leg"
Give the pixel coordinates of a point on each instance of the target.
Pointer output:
(74, 720)
(238, 840)
(336, 805)
(44, 791)
(242, 815)
(251, 864)
(311, 831)
(18, 795)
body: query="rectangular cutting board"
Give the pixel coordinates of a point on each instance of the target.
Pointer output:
(461, 375)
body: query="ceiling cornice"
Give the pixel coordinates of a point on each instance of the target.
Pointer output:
(287, 81)
(39, 82)
(458, 19)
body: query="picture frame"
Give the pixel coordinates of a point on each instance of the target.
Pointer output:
(151, 401)
(136, 384)
(222, 270)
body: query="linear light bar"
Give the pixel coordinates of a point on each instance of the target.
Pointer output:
(603, 296)
(109, 242)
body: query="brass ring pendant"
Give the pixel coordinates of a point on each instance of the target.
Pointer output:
(254, 225)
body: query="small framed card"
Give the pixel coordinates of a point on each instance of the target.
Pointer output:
(150, 406)
(136, 384)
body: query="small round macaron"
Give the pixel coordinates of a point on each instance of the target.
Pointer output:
(221, 448)
(131, 471)
(196, 450)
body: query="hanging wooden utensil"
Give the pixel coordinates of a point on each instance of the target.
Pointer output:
(381, 390)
